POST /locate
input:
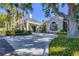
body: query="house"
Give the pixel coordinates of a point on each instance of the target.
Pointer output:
(54, 24)
(29, 22)
(26, 23)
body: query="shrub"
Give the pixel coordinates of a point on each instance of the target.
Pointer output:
(28, 32)
(42, 28)
(18, 32)
(34, 28)
(63, 46)
(10, 33)
(61, 33)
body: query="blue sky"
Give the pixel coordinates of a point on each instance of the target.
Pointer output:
(38, 14)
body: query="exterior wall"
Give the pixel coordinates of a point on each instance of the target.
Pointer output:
(29, 24)
(26, 24)
(59, 23)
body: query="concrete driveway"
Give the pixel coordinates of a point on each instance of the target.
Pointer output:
(32, 45)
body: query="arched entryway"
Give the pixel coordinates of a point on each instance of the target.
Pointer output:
(53, 26)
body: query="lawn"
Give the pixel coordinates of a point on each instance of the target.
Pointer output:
(63, 46)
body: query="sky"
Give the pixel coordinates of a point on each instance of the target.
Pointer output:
(38, 13)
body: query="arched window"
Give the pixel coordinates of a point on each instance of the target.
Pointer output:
(53, 26)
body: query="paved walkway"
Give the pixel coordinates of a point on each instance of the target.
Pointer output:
(32, 45)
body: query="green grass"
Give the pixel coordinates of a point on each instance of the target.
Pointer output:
(63, 46)
(61, 33)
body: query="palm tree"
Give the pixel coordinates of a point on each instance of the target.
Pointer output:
(17, 14)
(23, 6)
(3, 19)
(26, 8)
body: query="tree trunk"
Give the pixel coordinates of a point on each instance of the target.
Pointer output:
(25, 27)
(72, 28)
(17, 26)
(9, 19)
(23, 19)
(9, 22)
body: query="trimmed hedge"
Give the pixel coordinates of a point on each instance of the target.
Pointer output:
(61, 33)
(10, 33)
(18, 32)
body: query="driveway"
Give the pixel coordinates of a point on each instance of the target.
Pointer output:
(32, 45)
(5, 47)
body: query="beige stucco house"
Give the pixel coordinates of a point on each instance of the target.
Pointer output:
(27, 23)
(54, 24)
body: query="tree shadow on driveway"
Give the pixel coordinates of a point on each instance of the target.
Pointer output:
(5, 47)
(35, 46)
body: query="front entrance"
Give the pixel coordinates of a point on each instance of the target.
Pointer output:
(53, 26)
(33, 27)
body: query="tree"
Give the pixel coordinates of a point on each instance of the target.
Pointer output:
(34, 28)
(3, 20)
(17, 14)
(23, 6)
(43, 26)
(70, 16)
(26, 7)
(12, 10)
(8, 7)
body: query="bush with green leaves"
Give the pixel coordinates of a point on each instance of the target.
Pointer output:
(34, 28)
(61, 33)
(10, 33)
(63, 46)
(62, 30)
(42, 28)
(18, 33)
(22, 32)
(28, 32)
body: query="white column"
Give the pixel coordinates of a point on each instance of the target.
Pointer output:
(27, 26)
